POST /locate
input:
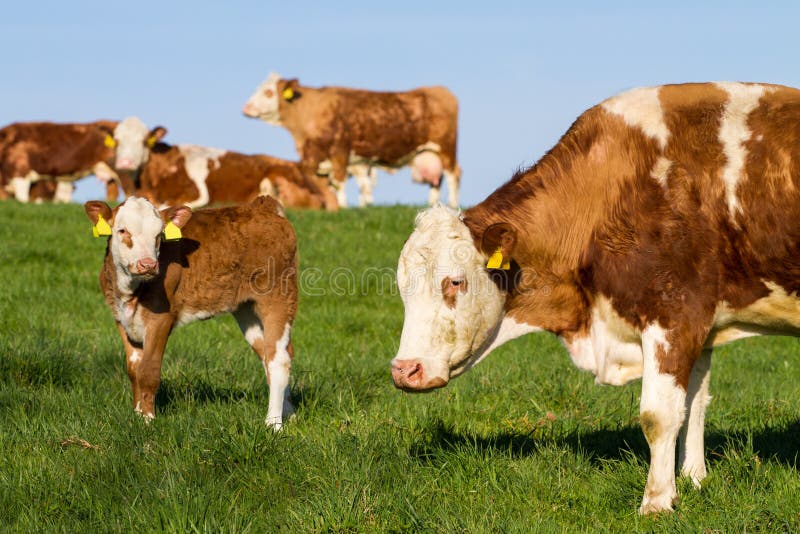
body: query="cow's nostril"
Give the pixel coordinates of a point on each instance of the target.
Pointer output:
(416, 369)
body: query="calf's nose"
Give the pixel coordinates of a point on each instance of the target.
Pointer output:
(147, 265)
(125, 164)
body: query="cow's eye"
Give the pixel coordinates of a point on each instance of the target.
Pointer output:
(457, 282)
(122, 231)
(269, 93)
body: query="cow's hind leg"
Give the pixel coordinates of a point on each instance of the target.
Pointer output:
(691, 446)
(453, 179)
(269, 333)
(661, 416)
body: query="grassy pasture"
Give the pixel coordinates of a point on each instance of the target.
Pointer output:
(523, 443)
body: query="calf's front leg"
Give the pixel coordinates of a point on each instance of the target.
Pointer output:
(145, 370)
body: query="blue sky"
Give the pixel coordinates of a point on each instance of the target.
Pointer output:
(522, 71)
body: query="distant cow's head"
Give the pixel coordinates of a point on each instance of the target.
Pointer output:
(265, 103)
(452, 306)
(132, 142)
(136, 228)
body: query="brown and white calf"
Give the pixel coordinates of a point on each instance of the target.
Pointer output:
(353, 131)
(197, 176)
(664, 223)
(33, 151)
(241, 260)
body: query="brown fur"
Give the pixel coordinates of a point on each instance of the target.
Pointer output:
(229, 259)
(382, 128)
(235, 179)
(53, 150)
(590, 220)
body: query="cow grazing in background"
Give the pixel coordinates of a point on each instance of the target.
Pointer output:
(241, 260)
(664, 223)
(197, 176)
(34, 151)
(354, 131)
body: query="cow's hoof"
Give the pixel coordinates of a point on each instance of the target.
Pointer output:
(654, 504)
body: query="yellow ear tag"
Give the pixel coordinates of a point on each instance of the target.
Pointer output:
(172, 232)
(288, 93)
(151, 141)
(109, 141)
(101, 227)
(496, 261)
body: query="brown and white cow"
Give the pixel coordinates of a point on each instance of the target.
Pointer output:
(240, 259)
(33, 151)
(197, 176)
(664, 223)
(354, 131)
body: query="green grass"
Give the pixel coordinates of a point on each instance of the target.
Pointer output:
(524, 442)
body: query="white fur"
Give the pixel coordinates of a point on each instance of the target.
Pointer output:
(131, 136)
(691, 445)
(508, 329)
(21, 187)
(135, 357)
(663, 400)
(445, 338)
(266, 107)
(366, 178)
(197, 160)
(733, 132)
(63, 192)
(190, 316)
(660, 171)
(452, 189)
(278, 374)
(641, 108)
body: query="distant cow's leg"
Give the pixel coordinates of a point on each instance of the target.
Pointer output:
(434, 195)
(112, 191)
(661, 416)
(691, 451)
(364, 179)
(22, 188)
(63, 192)
(269, 333)
(453, 179)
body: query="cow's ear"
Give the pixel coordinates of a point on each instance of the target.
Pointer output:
(177, 215)
(498, 243)
(290, 90)
(156, 135)
(96, 209)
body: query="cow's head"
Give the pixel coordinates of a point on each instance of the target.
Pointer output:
(452, 305)
(132, 142)
(136, 228)
(265, 103)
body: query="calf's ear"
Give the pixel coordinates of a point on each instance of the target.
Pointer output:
(498, 243)
(178, 215)
(290, 90)
(96, 209)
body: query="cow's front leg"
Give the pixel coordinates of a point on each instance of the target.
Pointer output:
(365, 179)
(661, 415)
(21, 187)
(691, 446)
(145, 372)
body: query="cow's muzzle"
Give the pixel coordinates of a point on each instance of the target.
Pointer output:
(410, 375)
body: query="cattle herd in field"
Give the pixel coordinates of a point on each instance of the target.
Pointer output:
(338, 133)
(664, 223)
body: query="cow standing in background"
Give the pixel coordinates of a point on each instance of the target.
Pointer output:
(355, 131)
(664, 223)
(197, 176)
(34, 151)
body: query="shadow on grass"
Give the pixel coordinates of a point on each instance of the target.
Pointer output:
(173, 392)
(778, 444)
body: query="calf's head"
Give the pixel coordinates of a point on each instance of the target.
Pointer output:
(136, 228)
(452, 305)
(265, 102)
(132, 142)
